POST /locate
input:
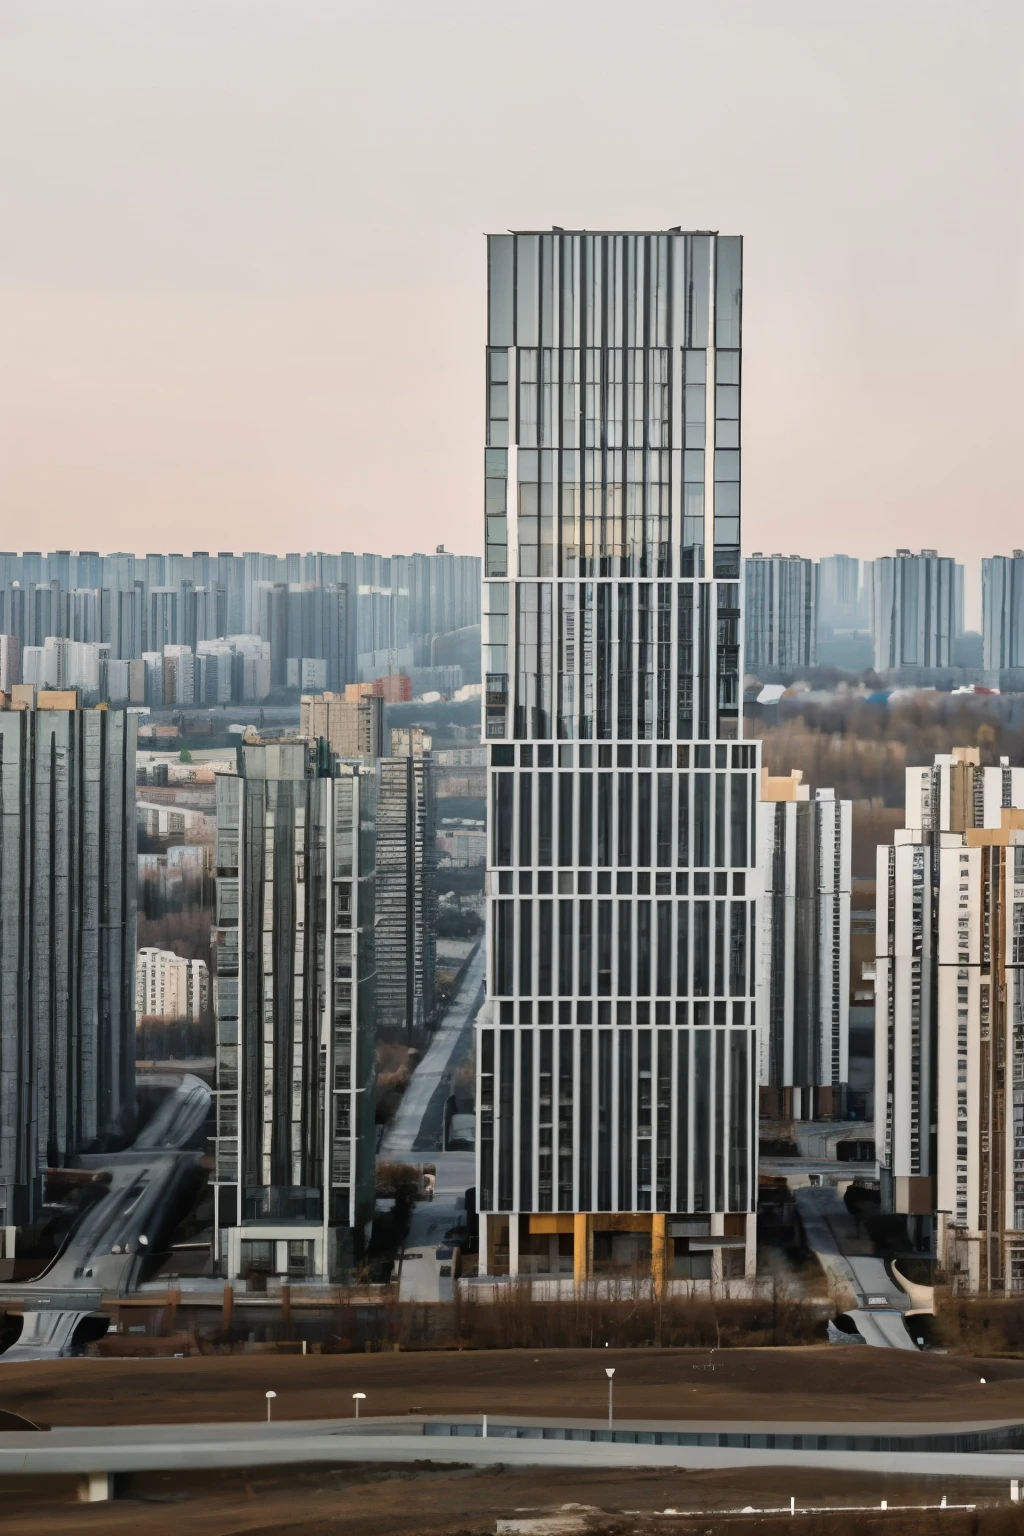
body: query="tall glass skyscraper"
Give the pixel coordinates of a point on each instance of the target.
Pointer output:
(616, 1050)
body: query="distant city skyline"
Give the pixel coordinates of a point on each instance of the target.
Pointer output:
(225, 281)
(109, 567)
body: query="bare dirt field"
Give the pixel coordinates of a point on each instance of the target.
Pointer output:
(377, 1501)
(809, 1384)
(800, 1384)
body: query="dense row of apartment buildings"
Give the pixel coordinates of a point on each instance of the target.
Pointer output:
(903, 615)
(316, 941)
(213, 629)
(316, 934)
(323, 940)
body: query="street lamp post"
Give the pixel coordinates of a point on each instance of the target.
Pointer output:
(357, 1398)
(609, 1371)
(270, 1399)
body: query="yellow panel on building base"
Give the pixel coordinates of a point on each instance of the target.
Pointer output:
(549, 1226)
(581, 1248)
(659, 1252)
(584, 1224)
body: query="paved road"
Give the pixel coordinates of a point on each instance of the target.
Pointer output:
(398, 1441)
(404, 1130)
(108, 1248)
(824, 1218)
(420, 1278)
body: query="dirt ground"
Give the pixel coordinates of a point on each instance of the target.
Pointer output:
(769, 1384)
(378, 1501)
(800, 1384)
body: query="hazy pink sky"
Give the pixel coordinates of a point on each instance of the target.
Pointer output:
(242, 265)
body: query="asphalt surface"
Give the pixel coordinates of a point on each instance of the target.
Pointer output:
(880, 1324)
(415, 1134)
(433, 1069)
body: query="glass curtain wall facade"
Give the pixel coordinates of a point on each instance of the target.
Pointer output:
(616, 1050)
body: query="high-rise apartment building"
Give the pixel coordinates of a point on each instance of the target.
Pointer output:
(127, 610)
(304, 622)
(383, 634)
(406, 895)
(86, 614)
(293, 997)
(179, 675)
(10, 662)
(164, 622)
(211, 612)
(979, 1055)
(444, 590)
(803, 997)
(616, 1051)
(117, 571)
(44, 612)
(169, 986)
(780, 614)
(409, 741)
(949, 1024)
(236, 668)
(916, 611)
(67, 937)
(842, 601)
(353, 726)
(1002, 614)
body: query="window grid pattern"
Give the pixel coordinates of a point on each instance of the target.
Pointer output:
(617, 1052)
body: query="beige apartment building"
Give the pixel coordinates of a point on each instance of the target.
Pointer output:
(949, 1016)
(354, 726)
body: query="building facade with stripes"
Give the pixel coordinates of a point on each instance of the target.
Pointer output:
(294, 1003)
(949, 1018)
(780, 609)
(804, 964)
(67, 940)
(616, 1050)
